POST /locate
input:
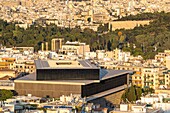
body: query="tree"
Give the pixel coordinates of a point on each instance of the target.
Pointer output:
(148, 91)
(124, 95)
(138, 92)
(5, 94)
(131, 96)
(103, 28)
(121, 40)
(146, 38)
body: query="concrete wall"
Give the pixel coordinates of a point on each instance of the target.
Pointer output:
(108, 100)
(127, 24)
(42, 90)
(157, 91)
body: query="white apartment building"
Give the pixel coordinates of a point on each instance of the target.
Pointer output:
(120, 55)
(90, 55)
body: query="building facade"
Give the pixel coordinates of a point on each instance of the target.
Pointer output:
(56, 80)
(76, 48)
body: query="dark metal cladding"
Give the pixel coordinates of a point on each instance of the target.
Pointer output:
(67, 74)
(104, 85)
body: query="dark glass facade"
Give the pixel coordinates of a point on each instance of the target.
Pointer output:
(94, 88)
(67, 74)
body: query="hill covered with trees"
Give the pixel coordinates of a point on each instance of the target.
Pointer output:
(142, 16)
(142, 40)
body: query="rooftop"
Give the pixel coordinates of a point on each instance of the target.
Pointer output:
(60, 64)
(104, 74)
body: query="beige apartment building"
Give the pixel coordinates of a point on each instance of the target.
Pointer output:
(124, 67)
(167, 62)
(154, 77)
(75, 48)
(160, 57)
(101, 18)
(137, 79)
(28, 67)
(145, 76)
(163, 57)
(151, 77)
(6, 68)
(11, 65)
(7, 73)
(7, 63)
(22, 49)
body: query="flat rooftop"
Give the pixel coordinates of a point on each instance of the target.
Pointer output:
(104, 74)
(57, 64)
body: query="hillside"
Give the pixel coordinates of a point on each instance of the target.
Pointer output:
(142, 40)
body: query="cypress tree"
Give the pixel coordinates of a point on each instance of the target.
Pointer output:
(131, 96)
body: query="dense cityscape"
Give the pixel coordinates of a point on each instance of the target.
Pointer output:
(84, 56)
(86, 14)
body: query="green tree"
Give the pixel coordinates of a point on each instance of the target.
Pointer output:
(148, 91)
(138, 92)
(124, 95)
(5, 94)
(131, 96)
(103, 28)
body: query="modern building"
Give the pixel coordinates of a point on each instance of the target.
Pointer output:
(56, 44)
(56, 78)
